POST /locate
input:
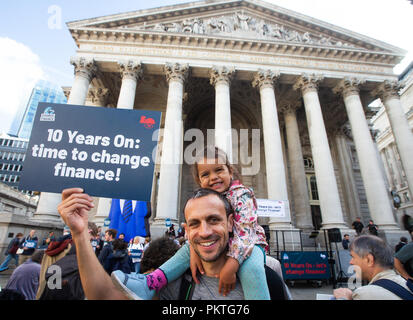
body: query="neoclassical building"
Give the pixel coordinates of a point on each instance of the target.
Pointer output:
(303, 84)
(389, 149)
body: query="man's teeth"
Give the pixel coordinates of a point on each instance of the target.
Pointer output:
(207, 244)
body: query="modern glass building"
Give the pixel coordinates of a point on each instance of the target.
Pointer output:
(43, 91)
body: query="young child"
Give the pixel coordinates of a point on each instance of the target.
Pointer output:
(246, 255)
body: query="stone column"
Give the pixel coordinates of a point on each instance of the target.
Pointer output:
(274, 161)
(302, 210)
(388, 92)
(395, 168)
(171, 161)
(387, 168)
(131, 72)
(347, 172)
(330, 205)
(85, 70)
(374, 182)
(97, 97)
(220, 78)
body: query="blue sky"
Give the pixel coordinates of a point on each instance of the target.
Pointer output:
(30, 49)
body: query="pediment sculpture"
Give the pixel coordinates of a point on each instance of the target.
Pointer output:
(240, 24)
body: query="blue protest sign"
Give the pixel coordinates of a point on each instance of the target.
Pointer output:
(307, 265)
(168, 222)
(136, 253)
(107, 152)
(106, 222)
(30, 244)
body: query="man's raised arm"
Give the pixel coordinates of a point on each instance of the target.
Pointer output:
(96, 283)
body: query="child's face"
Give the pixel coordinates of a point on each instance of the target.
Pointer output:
(215, 176)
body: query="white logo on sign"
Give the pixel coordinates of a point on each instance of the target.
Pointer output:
(48, 115)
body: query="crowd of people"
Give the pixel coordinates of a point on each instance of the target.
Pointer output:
(220, 252)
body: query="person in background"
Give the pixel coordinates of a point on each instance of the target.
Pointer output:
(181, 231)
(29, 245)
(46, 241)
(403, 241)
(373, 228)
(110, 236)
(55, 251)
(346, 241)
(403, 261)
(122, 237)
(146, 244)
(358, 226)
(375, 259)
(135, 250)
(25, 278)
(11, 252)
(119, 258)
(71, 286)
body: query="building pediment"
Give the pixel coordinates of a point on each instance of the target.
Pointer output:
(242, 19)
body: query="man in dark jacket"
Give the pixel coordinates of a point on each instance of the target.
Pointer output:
(11, 252)
(107, 249)
(373, 228)
(119, 259)
(358, 225)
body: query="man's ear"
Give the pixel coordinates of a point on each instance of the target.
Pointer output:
(230, 222)
(370, 260)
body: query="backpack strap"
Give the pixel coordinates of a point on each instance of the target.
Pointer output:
(396, 288)
(185, 290)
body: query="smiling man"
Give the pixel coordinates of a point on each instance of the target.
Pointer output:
(209, 221)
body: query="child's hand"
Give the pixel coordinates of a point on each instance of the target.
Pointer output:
(195, 264)
(227, 276)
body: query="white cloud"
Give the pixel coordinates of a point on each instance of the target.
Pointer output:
(20, 70)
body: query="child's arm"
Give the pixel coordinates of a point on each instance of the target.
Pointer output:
(227, 276)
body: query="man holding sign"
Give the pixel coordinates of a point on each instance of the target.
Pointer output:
(28, 245)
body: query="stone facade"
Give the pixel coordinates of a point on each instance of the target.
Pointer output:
(303, 85)
(397, 179)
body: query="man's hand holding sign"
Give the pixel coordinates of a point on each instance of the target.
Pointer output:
(105, 152)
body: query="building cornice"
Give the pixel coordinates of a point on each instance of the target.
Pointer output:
(125, 36)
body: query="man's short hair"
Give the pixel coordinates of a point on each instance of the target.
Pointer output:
(377, 247)
(158, 252)
(37, 256)
(112, 232)
(203, 192)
